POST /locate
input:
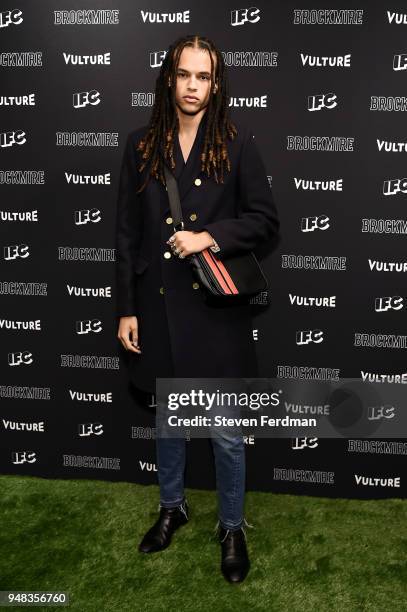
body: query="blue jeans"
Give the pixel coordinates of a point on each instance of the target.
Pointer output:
(230, 468)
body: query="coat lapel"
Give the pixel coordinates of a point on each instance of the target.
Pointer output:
(186, 173)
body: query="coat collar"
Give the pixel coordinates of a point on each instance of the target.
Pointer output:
(186, 173)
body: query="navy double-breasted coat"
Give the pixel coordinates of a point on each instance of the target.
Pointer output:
(181, 333)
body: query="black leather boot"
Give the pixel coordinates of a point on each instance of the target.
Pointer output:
(235, 560)
(159, 535)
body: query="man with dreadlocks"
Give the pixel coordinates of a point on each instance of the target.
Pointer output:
(170, 328)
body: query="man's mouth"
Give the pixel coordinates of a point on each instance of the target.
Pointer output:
(190, 99)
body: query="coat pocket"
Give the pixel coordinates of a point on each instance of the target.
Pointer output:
(140, 264)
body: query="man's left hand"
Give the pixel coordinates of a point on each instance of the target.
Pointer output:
(186, 242)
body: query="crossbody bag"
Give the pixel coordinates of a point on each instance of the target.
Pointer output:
(234, 275)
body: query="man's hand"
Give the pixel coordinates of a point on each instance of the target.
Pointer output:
(186, 242)
(128, 333)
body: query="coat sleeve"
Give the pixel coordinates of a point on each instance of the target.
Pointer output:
(128, 232)
(258, 219)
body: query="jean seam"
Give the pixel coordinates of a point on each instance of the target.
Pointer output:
(176, 502)
(232, 500)
(177, 484)
(238, 465)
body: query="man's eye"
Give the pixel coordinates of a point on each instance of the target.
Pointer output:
(204, 77)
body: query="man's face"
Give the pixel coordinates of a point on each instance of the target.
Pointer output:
(193, 80)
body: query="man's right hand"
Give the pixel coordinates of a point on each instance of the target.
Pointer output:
(128, 333)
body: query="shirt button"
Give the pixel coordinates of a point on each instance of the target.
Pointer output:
(167, 254)
(195, 285)
(161, 290)
(198, 182)
(193, 216)
(168, 220)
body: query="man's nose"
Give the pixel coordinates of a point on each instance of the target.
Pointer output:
(192, 83)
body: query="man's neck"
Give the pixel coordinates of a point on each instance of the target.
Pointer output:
(188, 124)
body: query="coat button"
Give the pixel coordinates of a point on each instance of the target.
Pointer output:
(193, 216)
(198, 182)
(195, 285)
(161, 290)
(168, 220)
(167, 254)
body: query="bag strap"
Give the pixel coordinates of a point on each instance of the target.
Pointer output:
(173, 196)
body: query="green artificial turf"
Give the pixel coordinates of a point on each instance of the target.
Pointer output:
(307, 554)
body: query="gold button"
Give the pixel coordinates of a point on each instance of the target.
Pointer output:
(167, 254)
(198, 182)
(168, 220)
(161, 290)
(195, 285)
(193, 217)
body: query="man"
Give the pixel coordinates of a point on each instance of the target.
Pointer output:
(165, 320)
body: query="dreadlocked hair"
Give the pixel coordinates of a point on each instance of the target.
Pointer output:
(157, 145)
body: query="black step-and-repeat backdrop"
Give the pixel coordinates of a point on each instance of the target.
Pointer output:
(324, 92)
